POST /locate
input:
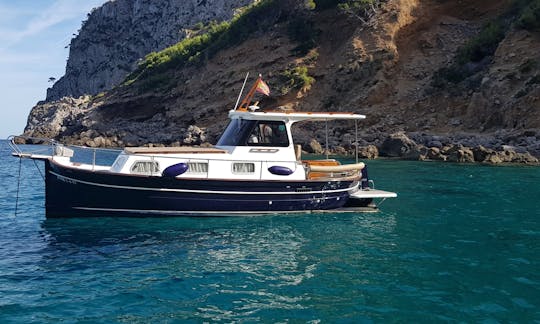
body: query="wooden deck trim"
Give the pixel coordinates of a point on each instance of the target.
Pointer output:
(174, 150)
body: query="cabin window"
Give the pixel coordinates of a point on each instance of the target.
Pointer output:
(255, 133)
(119, 163)
(197, 167)
(145, 167)
(243, 168)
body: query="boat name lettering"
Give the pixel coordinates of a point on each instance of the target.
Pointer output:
(66, 180)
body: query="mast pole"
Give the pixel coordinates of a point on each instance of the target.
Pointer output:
(326, 138)
(356, 139)
(247, 99)
(241, 91)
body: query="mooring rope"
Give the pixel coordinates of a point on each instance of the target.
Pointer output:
(39, 170)
(18, 186)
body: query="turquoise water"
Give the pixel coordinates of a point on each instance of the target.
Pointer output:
(461, 243)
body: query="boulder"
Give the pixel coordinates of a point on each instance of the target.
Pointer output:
(461, 154)
(194, 135)
(435, 154)
(314, 147)
(507, 155)
(397, 145)
(481, 153)
(368, 152)
(494, 158)
(525, 158)
(417, 153)
(339, 150)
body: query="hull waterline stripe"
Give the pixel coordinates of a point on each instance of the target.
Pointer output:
(199, 213)
(203, 191)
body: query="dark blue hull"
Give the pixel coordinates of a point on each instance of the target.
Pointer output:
(72, 192)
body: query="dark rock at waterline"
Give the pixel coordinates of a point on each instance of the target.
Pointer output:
(482, 154)
(434, 153)
(416, 153)
(507, 155)
(397, 145)
(460, 153)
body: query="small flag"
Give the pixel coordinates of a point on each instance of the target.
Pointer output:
(262, 87)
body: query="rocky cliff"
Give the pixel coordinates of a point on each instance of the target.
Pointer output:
(121, 32)
(404, 65)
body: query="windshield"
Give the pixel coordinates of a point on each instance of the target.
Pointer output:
(242, 132)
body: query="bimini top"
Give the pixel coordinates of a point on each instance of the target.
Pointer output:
(293, 117)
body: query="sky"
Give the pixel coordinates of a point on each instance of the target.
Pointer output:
(33, 39)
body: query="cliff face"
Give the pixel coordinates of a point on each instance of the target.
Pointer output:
(119, 33)
(385, 67)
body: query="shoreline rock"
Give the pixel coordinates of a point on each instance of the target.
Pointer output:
(400, 145)
(396, 145)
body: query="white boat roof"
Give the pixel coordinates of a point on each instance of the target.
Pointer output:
(293, 116)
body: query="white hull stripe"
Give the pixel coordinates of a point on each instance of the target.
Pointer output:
(71, 180)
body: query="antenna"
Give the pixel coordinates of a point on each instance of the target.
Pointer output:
(241, 91)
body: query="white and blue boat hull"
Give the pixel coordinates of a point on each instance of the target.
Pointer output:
(72, 192)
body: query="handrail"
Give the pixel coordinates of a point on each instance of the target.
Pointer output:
(337, 168)
(310, 168)
(15, 147)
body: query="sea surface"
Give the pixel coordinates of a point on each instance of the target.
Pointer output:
(461, 243)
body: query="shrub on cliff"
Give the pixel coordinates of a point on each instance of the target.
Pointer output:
(296, 78)
(471, 57)
(484, 44)
(218, 36)
(530, 16)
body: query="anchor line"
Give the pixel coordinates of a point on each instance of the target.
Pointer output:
(39, 170)
(18, 187)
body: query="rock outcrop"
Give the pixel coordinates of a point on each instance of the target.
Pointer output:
(50, 119)
(398, 145)
(121, 32)
(401, 146)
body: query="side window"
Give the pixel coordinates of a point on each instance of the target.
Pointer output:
(145, 167)
(269, 133)
(197, 167)
(243, 168)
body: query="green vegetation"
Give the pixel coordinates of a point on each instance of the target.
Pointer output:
(344, 4)
(522, 13)
(296, 78)
(484, 44)
(218, 36)
(530, 16)
(358, 8)
(310, 4)
(99, 95)
(470, 56)
(357, 4)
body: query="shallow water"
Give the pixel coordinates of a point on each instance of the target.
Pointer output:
(460, 243)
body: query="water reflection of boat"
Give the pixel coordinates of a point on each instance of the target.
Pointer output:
(254, 169)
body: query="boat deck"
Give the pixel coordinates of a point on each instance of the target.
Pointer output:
(373, 193)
